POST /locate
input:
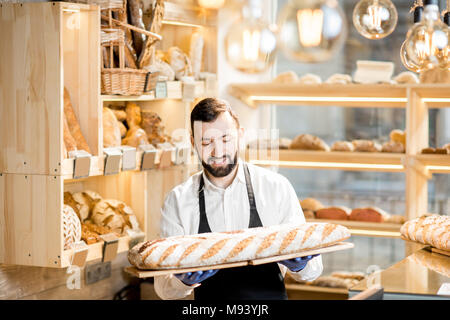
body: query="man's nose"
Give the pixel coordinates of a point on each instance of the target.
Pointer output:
(218, 148)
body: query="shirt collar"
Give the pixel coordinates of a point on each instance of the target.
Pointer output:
(240, 176)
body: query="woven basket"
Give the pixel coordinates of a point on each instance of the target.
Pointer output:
(71, 227)
(127, 81)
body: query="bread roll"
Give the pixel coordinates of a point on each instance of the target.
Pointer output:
(344, 146)
(286, 77)
(334, 213)
(310, 78)
(133, 112)
(431, 230)
(371, 214)
(308, 142)
(366, 146)
(111, 130)
(135, 137)
(82, 202)
(393, 147)
(121, 115)
(311, 204)
(406, 77)
(395, 218)
(115, 215)
(398, 135)
(339, 78)
(446, 146)
(208, 249)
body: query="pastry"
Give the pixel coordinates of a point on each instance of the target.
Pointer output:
(366, 146)
(398, 135)
(133, 115)
(135, 137)
(179, 62)
(339, 78)
(371, 214)
(121, 115)
(152, 125)
(431, 230)
(111, 130)
(286, 77)
(393, 147)
(310, 78)
(224, 247)
(333, 213)
(406, 77)
(308, 142)
(344, 146)
(73, 124)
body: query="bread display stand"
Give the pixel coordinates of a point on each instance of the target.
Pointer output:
(152, 273)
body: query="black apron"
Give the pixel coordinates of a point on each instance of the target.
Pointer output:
(262, 282)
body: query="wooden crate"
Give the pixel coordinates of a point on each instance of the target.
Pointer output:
(30, 219)
(47, 46)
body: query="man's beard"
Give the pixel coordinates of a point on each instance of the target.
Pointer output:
(221, 171)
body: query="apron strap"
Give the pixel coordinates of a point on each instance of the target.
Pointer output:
(254, 221)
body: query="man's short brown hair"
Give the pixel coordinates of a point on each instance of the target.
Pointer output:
(207, 110)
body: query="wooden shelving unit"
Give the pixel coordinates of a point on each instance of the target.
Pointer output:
(33, 172)
(417, 99)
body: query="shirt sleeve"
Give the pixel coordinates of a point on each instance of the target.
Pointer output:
(292, 213)
(169, 287)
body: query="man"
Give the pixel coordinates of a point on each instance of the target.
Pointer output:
(228, 195)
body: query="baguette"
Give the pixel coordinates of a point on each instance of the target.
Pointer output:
(431, 230)
(214, 248)
(73, 124)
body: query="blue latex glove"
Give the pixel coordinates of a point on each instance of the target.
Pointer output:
(191, 278)
(297, 264)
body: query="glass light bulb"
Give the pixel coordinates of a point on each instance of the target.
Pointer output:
(311, 30)
(211, 4)
(375, 19)
(427, 41)
(406, 60)
(250, 45)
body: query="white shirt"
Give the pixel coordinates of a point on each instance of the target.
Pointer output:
(227, 210)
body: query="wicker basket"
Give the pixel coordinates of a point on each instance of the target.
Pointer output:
(127, 81)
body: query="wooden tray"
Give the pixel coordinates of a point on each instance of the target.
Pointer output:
(152, 273)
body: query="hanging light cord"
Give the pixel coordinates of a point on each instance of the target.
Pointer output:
(447, 9)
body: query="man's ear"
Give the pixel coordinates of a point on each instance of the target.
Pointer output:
(192, 141)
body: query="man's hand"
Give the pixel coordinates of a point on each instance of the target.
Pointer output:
(297, 264)
(191, 278)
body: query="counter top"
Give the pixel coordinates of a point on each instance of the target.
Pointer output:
(418, 276)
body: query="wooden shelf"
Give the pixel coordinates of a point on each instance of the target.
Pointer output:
(95, 250)
(368, 229)
(435, 163)
(344, 95)
(355, 161)
(310, 288)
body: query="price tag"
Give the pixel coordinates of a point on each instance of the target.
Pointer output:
(110, 246)
(148, 157)
(82, 163)
(112, 160)
(80, 253)
(128, 158)
(161, 90)
(166, 154)
(188, 91)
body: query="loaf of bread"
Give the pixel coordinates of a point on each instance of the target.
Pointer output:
(69, 142)
(348, 275)
(153, 127)
(133, 114)
(310, 78)
(286, 77)
(308, 142)
(73, 124)
(82, 202)
(398, 135)
(339, 78)
(208, 249)
(179, 62)
(334, 282)
(432, 230)
(366, 146)
(396, 218)
(111, 129)
(435, 151)
(120, 114)
(371, 214)
(311, 204)
(344, 146)
(393, 147)
(333, 213)
(115, 215)
(135, 137)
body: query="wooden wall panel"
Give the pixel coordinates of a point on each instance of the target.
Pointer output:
(30, 88)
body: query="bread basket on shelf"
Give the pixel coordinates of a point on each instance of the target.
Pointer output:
(116, 78)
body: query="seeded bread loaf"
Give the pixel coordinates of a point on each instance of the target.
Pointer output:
(433, 230)
(371, 214)
(225, 247)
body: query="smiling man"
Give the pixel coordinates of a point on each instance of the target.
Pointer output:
(227, 195)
